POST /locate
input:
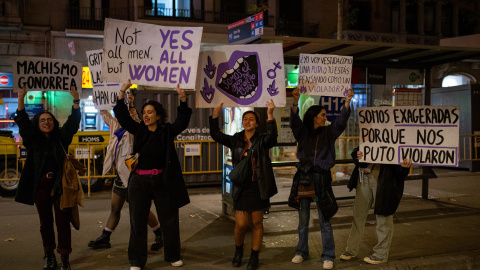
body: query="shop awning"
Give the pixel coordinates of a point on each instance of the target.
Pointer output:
(375, 54)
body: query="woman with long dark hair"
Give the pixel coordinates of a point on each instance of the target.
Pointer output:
(251, 199)
(313, 180)
(119, 147)
(41, 180)
(158, 176)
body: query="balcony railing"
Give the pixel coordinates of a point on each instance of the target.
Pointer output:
(94, 18)
(387, 37)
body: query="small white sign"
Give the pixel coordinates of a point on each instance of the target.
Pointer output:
(83, 153)
(192, 149)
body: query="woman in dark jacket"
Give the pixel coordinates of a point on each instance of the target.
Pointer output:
(381, 185)
(252, 198)
(316, 153)
(158, 176)
(41, 180)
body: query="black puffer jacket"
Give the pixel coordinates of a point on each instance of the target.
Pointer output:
(263, 165)
(391, 182)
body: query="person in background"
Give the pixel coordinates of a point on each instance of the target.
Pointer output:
(41, 180)
(252, 199)
(158, 176)
(119, 147)
(380, 185)
(315, 151)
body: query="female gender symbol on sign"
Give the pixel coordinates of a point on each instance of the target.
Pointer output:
(277, 65)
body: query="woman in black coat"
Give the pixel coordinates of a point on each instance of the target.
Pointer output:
(250, 199)
(158, 176)
(41, 180)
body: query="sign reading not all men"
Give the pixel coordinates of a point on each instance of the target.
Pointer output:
(428, 135)
(325, 74)
(150, 54)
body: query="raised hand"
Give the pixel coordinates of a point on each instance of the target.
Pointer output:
(359, 155)
(74, 93)
(22, 93)
(296, 96)
(350, 95)
(181, 93)
(407, 163)
(217, 110)
(270, 107)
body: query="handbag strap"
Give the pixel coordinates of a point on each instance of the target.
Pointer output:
(315, 157)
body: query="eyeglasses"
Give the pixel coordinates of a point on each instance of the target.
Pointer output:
(48, 120)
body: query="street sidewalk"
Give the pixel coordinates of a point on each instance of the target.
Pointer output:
(440, 233)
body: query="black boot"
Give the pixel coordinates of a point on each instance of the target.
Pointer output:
(237, 258)
(253, 262)
(50, 261)
(101, 242)
(158, 244)
(65, 263)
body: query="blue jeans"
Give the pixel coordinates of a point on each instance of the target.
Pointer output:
(328, 243)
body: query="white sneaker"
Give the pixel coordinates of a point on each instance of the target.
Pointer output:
(297, 259)
(177, 263)
(328, 265)
(135, 268)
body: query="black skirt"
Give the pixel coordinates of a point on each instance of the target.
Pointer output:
(249, 199)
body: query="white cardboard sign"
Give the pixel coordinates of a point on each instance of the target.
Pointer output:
(150, 54)
(104, 93)
(241, 75)
(46, 74)
(324, 74)
(428, 135)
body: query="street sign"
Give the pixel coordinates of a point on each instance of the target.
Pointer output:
(246, 30)
(6, 80)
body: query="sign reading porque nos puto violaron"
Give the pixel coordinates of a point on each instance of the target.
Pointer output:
(428, 135)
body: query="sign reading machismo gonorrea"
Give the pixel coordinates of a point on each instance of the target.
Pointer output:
(148, 54)
(46, 74)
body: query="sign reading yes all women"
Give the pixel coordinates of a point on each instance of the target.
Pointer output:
(150, 54)
(104, 93)
(241, 75)
(324, 74)
(428, 135)
(46, 74)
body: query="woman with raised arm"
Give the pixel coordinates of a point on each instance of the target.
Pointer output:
(158, 176)
(41, 180)
(313, 180)
(252, 197)
(119, 147)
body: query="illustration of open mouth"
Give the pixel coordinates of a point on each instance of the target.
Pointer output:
(240, 77)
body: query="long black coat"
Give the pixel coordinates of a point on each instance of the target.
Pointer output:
(172, 173)
(263, 165)
(391, 182)
(37, 148)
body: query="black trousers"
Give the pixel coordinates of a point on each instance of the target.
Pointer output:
(142, 189)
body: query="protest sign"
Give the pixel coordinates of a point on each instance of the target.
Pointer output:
(324, 74)
(428, 135)
(150, 54)
(46, 74)
(104, 93)
(241, 75)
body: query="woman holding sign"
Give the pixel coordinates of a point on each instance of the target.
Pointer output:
(256, 184)
(313, 180)
(157, 177)
(380, 185)
(119, 146)
(41, 180)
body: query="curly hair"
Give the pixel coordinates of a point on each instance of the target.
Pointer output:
(310, 115)
(161, 112)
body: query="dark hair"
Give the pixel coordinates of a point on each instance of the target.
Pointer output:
(252, 112)
(310, 115)
(161, 112)
(133, 91)
(36, 120)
